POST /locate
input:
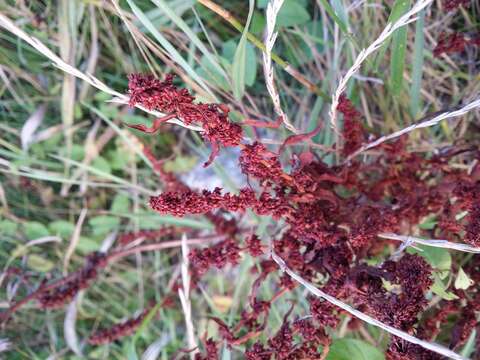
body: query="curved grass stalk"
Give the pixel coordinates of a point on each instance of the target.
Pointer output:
(406, 19)
(408, 240)
(430, 121)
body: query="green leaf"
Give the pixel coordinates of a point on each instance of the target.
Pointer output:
(462, 281)
(398, 9)
(87, 245)
(239, 61)
(428, 223)
(417, 65)
(120, 204)
(440, 289)
(100, 163)
(180, 164)
(397, 64)
(228, 52)
(292, 13)
(39, 264)
(8, 227)
(178, 21)
(352, 349)
(62, 228)
(439, 258)
(103, 224)
(35, 230)
(469, 347)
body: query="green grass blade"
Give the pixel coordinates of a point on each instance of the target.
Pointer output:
(417, 67)
(178, 21)
(174, 54)
(397, 63)
(399, 8)
(238, 66)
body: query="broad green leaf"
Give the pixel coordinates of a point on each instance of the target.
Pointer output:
(292, 13)
(8, 227)
(440, 289)
(239, 61)
(353, 349)
(462, 281)
(87, 245)
(34, 230)
(120, 204)
(101, 164)
(228, 52)
(103, 224)
(38, 263)
(61, 228)
(428, 223)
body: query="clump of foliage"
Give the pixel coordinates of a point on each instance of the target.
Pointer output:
(332, 221)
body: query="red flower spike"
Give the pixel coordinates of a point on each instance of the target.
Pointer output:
(165, 97)
(455, 4)
(117, 331)
(449, 44)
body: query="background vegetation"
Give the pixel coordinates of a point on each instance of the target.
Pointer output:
(73, 177)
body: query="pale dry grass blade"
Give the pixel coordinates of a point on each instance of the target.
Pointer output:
(120, 98)
(74, 240)
(408, 240)
(419, 125)
(69, 327)
(273, 8)
(406, 19)
(31, 125)
(184, 294)
(439, 349)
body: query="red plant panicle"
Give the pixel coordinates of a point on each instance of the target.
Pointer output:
(455, 4)
(253, 245)
(449, 44)
(190, 202)
(412, 272)
(211, 349)
(472, 229)
(258, 352)
(82, 279)
(127, 238)
(256, 161)
(282, 343)
(223, 226)
(218, 255)
(117, 331)
(165, 97)
(323, 312)
(400, 349)
(463, 327)
(352, 128)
